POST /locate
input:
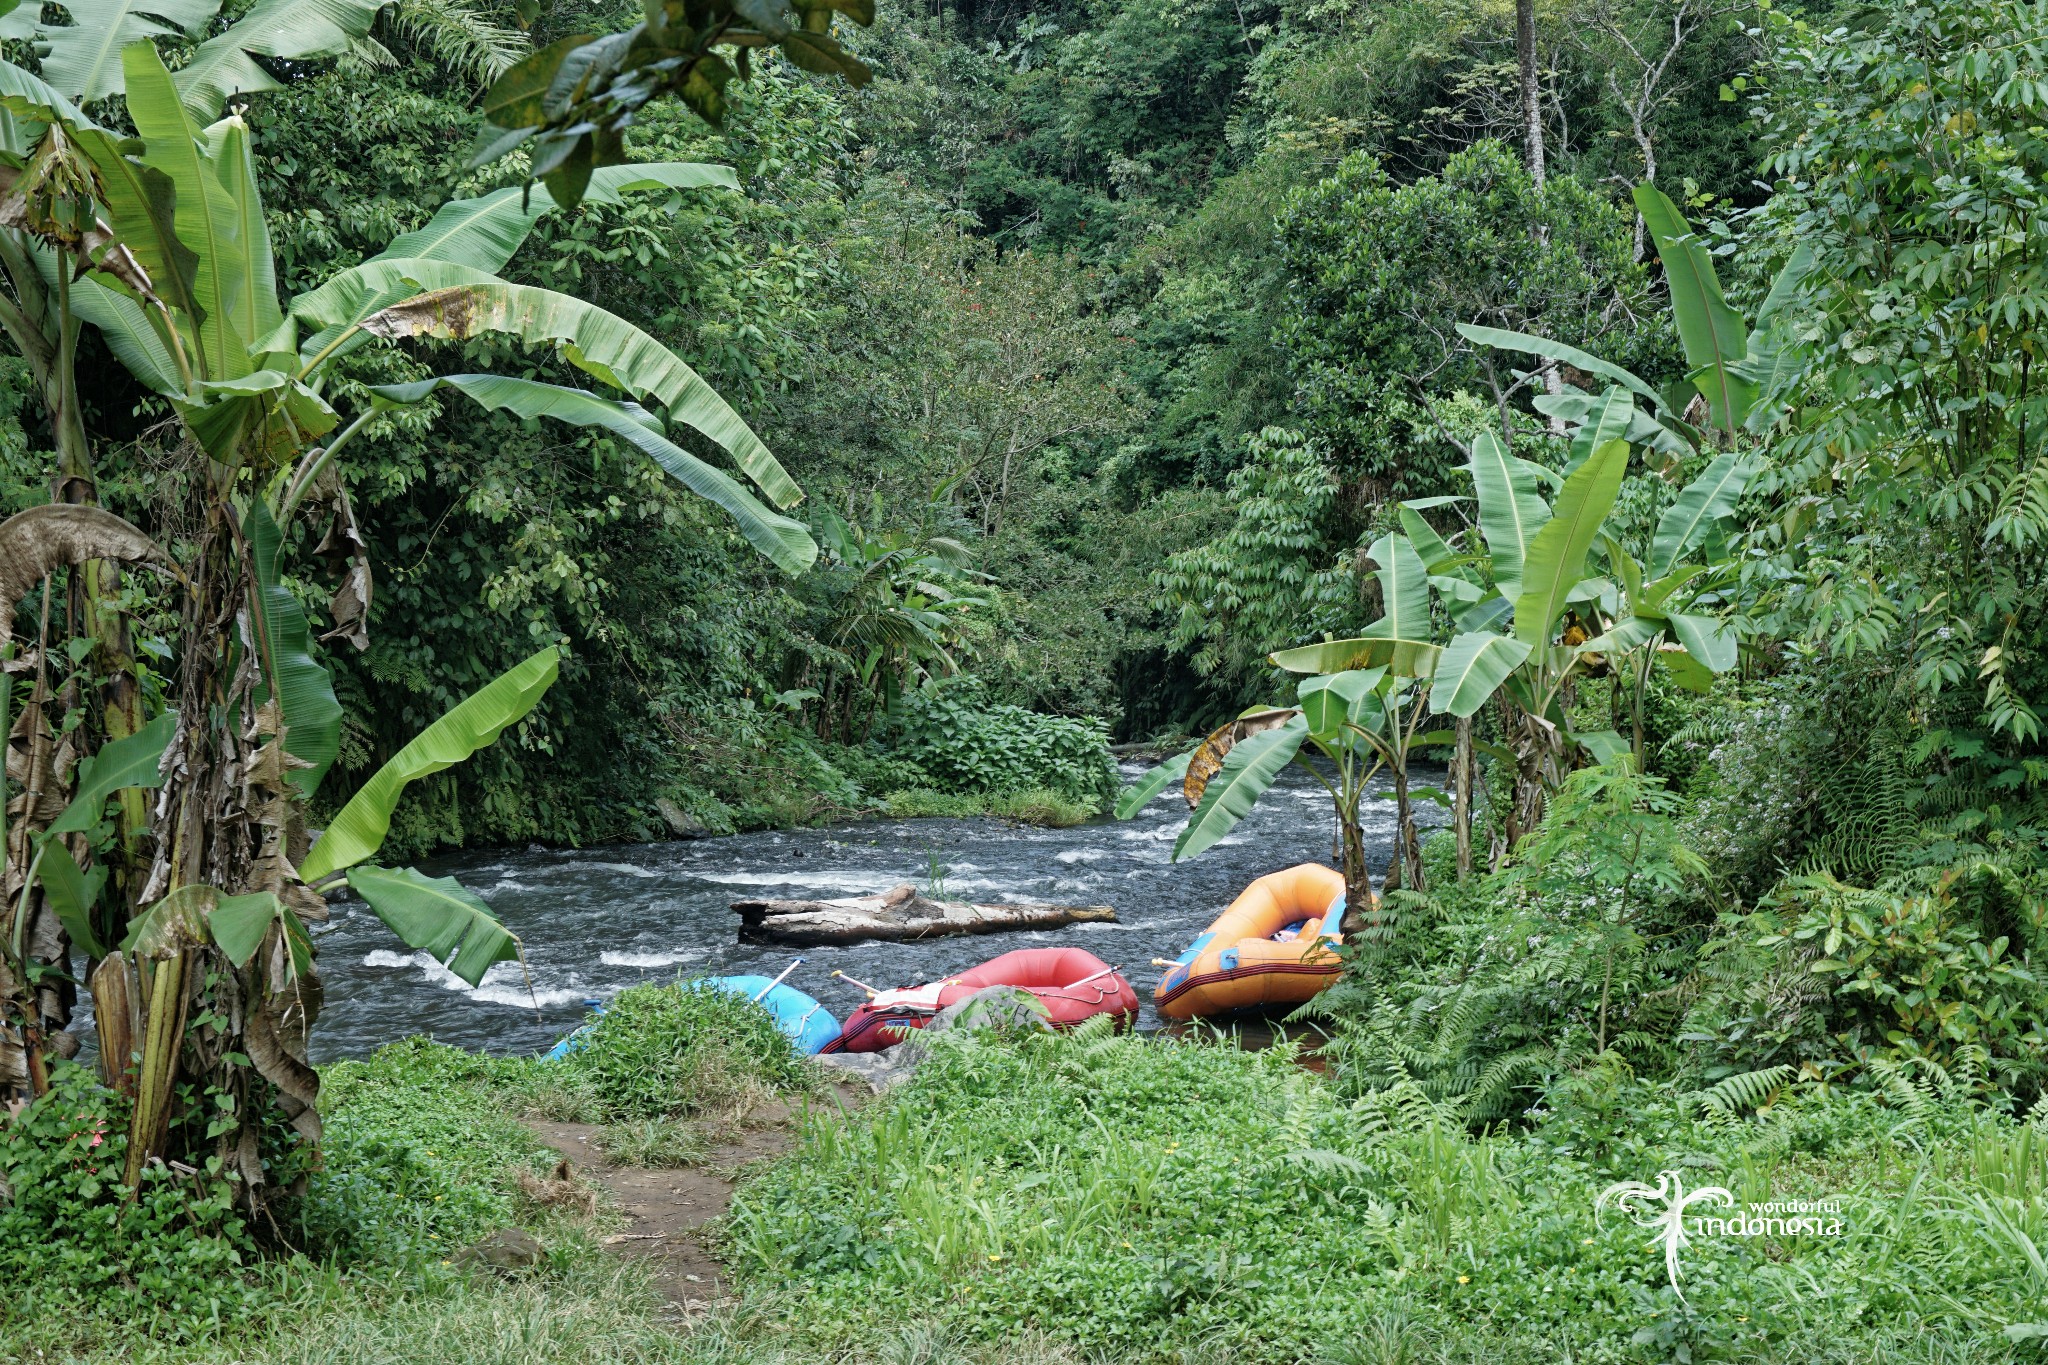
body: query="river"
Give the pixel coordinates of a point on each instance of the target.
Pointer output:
(597, 920)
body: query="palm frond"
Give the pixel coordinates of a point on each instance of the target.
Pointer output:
(460, 37)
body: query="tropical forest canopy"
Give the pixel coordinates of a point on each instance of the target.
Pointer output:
(1039, 318)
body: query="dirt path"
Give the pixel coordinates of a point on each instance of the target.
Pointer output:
(668, 1209)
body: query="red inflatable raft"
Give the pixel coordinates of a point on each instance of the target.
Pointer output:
(1072, 984)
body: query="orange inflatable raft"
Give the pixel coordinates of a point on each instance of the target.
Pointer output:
(1271, 947)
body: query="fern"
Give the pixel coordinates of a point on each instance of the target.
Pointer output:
(1747, 1091)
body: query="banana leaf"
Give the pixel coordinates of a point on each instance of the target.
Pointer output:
(439, 916)
(1472, 669)
(457, 302)
(358, 829)
(123, 763)
(1404, 591)
(1700, 504)
(1511, 511)
(293, 29)
(1139, 794)
(1712, 333)
(1409, 658)
(785, 542)
(284, 647)
(1557, 553)
(1248, 770)
(1557, 350)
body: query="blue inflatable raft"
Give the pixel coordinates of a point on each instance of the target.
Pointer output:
(807, 1023)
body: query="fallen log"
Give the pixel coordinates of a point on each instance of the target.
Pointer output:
(900, 915)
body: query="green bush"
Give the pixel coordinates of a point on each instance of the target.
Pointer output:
(172, 1257)
(419, 1155)
(1033, 806)
(969, 745)
(663, 1050)
(1139, 1197)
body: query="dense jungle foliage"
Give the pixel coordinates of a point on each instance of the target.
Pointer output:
(1638, 414)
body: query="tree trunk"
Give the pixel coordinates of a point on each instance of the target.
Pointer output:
(1532, 95)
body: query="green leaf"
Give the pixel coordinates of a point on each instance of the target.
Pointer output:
(1604, 745)
(30, 99)
(1712, 333)
(239, 924)
(126, 327)
(1404, 591)
(1472, 669)
(173, 923)
(1702, 502)
(439, 916)
(208, 220)
(1708, 639)
(1139, 794)
(1511, 511)
(1625, 636)
(1436, 555)
(1329, 700)
(1408, 658)
(1248, 770)
(459, 303)
(482, 233)
(787, 543)
(1557, 350)
(358, 830)
(1609, 419)
(298, 29)
(142, 205)
(123, 763)
(84, 60)
(70, 893)
(284, 646)
(255, 286)
(1557, 553)
(1688, 672)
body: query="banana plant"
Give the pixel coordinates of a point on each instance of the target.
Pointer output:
(1360, 709)
(1741, 378)
(159, 241)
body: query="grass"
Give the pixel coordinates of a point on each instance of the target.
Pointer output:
(1059, 1199)
(1138, 1198)
(1037, 806)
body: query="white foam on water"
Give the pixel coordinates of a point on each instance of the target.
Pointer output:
(612, 959)
(630, 869)
(503, 984)
(1080, 855)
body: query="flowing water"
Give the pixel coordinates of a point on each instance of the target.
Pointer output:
(597, 920)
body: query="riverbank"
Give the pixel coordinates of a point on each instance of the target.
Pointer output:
(1047, 1199)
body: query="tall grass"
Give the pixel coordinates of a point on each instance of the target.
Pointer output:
(1136, 1197)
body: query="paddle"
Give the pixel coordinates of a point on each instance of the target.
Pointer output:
(779, 980)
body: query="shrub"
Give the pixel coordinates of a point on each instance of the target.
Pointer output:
(662, 1050)
(70, 1234)
(420, 1155)
(969, 745)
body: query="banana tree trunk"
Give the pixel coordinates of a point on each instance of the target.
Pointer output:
(231, 821)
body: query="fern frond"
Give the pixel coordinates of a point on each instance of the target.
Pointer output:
(1749, 1090)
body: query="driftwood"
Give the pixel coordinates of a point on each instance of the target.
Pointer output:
(899, 915)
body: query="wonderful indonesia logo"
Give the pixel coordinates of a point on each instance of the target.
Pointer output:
(1668, 1208)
